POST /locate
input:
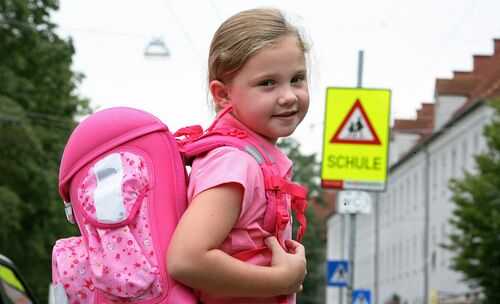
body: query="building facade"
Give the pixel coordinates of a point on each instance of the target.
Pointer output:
(398, 248)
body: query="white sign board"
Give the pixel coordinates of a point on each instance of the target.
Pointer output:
(354, 202)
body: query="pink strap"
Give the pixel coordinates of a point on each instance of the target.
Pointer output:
(298, 193)
(189, 131)
(219, 116)
(248, 254)
(282, 300)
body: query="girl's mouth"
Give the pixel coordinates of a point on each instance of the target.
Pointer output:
(286, 114)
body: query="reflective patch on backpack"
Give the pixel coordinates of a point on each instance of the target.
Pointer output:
(60, 296)
(108, 199)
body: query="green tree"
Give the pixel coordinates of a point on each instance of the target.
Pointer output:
(37, 110)
(307, 173)
(476, 218)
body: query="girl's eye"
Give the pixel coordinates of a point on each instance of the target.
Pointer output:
(298, 79)
(266, 83)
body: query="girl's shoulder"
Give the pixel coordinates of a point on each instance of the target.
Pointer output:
(225, 165)
(225, 156)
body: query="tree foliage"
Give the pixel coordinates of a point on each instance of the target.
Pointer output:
(37, 110)
(307, 173)
(476, 219)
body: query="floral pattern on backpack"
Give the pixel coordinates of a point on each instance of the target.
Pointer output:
(118, 258)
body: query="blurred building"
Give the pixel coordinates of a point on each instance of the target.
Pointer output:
(398, 248)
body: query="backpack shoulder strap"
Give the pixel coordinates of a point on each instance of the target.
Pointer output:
(197, 142)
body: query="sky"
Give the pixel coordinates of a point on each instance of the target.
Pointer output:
(406, 44)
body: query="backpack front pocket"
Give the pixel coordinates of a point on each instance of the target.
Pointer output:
(113, 197)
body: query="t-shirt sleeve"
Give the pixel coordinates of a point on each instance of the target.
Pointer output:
(226, 165)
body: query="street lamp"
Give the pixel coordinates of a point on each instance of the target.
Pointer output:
(156, 48)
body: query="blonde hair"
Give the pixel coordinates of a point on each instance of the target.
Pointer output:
(245, 34)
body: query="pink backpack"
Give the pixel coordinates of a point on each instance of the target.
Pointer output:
(123, 180)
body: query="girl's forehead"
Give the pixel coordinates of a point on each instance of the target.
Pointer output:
(283, 44)
(282, 59)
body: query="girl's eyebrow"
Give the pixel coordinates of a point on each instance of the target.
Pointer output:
(265, 75)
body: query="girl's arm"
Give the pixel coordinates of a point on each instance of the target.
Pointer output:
(194, 259)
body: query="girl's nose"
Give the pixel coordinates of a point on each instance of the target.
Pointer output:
(288, 97)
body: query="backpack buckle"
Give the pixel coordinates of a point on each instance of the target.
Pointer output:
(282, 219)
(68, 209)
(273, 182)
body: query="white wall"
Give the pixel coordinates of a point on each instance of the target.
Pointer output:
(444, 108)
(401, 208)
(400, 144)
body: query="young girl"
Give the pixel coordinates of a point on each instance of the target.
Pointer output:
(257, 65)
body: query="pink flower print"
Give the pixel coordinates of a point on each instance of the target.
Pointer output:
(151, 254)
(91, 249)
(66, 285)
(81, 294)
(117, 257)
(105, 270)
(88, 284)
(129, 242)
(108, 289)
(137, 265)
(131, 162)
(119, 288)
(119, 239)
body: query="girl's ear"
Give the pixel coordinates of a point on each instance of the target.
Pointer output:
(220, 93)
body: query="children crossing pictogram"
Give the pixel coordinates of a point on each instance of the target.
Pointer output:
(361, 296)
(338, 273)
(356, 128)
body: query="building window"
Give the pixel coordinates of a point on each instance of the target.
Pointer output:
(400, 256)
(434, 174)
(444, 175)
(387, 204)
(434, 178)
(477, 149)
(408, 195)
(433, 237)
(394, 203)
(464, 154)
(415, 190)
(394, 260)
(401, 200)
(415, 250)
(433, 260)
(444, 240)
(407, 254)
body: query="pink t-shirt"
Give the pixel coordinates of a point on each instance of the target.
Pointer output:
(231, 165)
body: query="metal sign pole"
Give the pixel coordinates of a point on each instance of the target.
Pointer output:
(352, 240)
(352, 216)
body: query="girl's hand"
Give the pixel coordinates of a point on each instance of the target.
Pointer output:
(293, 265)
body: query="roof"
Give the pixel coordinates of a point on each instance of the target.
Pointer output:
(478, 85)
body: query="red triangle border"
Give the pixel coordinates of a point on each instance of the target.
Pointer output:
(374, 141)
